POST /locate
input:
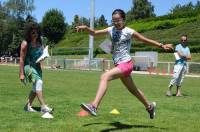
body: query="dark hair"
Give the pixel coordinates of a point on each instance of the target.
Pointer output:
(28, 30)
(120, 12)
(184, 35)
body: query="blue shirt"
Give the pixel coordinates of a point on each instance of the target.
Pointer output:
(185, 51)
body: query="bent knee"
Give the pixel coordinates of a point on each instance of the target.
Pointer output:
(105, 77)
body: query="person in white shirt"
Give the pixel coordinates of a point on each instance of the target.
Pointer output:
(180, 66)
(121, 43)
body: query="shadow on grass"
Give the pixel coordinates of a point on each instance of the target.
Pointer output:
(121, 126)
(37, 108)
(183, 95)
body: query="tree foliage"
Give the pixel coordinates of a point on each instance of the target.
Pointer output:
(53, 25)
(141, 9)
(76, 21)
(12, 19)
(186, 10)
(99, 22)
(102, 22)
(84, 21)
(20, 8)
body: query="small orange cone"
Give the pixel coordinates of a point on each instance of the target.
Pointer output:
(82, 113)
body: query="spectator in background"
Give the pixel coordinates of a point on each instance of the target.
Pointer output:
(31, 50)
(180, 66)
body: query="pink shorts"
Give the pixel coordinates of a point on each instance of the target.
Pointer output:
(126, 67)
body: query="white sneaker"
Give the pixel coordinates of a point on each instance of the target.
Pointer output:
(168, 93)
(45, 109)
(151, 110)
(29, 108)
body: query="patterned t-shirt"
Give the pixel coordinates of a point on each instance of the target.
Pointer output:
(121, 44)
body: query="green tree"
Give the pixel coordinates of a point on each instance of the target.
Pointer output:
(141, 9)
(197, 6)
(12, 14)
(96, 22)
(102, 22)
(84, 21)
(5, 37)
(76, 21)
(30, 18)
(183, 10)
(20, 8)
(53, 25)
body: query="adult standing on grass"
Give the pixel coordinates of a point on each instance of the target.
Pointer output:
(31, 50)
(180, 66)
(121, 42)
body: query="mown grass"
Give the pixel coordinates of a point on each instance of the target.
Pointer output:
(65, 90)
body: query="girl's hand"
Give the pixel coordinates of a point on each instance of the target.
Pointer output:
(168, 47)
(22, 77)
(78, 28)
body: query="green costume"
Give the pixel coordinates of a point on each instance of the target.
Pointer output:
(32, 69)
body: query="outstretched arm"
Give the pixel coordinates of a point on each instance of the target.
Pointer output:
(91, 31)
(152, 42)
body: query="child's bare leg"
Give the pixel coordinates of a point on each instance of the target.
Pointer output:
(130, 85)
(178, 92)
(110, 75)
(40, 98)
(31, 98)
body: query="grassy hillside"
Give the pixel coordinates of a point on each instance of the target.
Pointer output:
(146, 25)
(165, 30)
(172, 35)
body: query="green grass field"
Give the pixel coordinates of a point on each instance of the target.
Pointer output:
(65, 90)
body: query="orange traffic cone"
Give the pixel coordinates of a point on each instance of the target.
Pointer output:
(82, 113)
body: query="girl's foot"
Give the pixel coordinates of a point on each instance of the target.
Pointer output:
(151, 109)
(89, 108)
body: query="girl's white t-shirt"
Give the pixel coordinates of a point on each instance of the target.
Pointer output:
(121, 44)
